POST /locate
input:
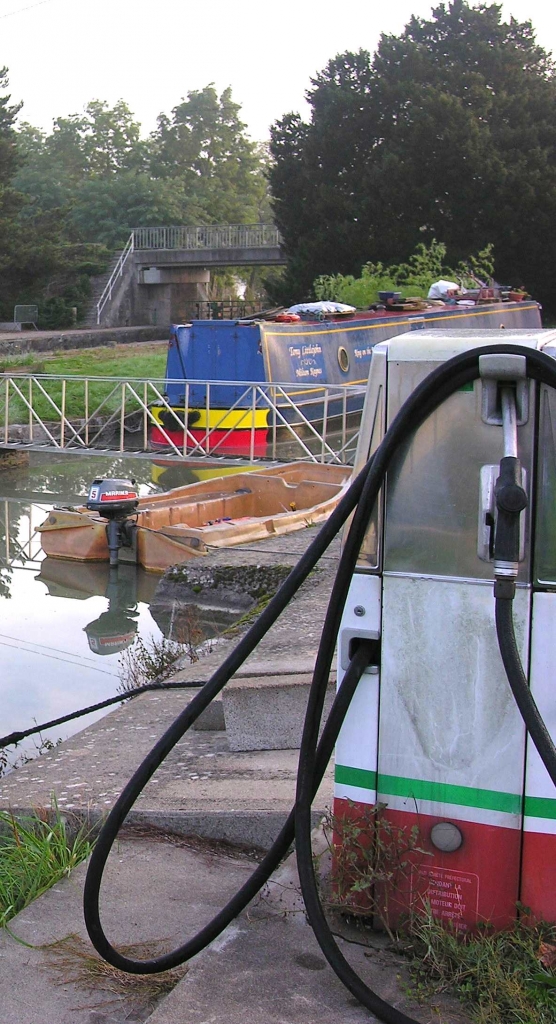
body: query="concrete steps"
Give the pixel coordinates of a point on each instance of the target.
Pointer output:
(263, 708)
(98, 285)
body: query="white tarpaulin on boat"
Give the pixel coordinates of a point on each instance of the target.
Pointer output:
(321, 307)
(441, 289)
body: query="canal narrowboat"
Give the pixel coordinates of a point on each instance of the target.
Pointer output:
(317, 355)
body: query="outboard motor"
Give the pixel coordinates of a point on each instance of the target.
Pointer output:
(116, 501)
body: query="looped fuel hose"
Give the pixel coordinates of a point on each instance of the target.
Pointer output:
(361, 497)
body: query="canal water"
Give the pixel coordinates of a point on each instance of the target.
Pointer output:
(65, 627)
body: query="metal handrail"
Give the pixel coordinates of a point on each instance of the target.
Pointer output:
(208, 236)
(117, 272)
(121, 416)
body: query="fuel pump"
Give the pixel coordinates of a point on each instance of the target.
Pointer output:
(433, 738)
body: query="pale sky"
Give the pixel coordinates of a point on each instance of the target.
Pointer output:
(61, 54)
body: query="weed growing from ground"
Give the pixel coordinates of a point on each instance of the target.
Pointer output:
(372, 858)
(10, 759)
(36, 851)
(153, 661)
(78, 964)
(506, 977)
(148, 661)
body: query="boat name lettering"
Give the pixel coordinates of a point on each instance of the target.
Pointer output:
(360, 353)
(311, 350)
(294, 351)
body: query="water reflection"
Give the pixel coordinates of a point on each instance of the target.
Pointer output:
(63, 625)
(124, 588)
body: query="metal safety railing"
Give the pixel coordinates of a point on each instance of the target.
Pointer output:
(207, 236)
(134, 416)
(116, 273)
(20, 541)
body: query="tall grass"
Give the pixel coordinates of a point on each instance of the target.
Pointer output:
(36, 851)
(504, 977)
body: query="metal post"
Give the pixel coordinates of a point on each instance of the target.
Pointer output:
(344, 423)
(122, 418)
(86, 396)
(253, 411)
(7, 411)
(62, 425)
(185, 419)
(30, 408)
(324, 424)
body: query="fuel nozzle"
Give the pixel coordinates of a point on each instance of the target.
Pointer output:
(511, 500)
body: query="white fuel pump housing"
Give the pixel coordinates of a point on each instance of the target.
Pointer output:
(433, 737)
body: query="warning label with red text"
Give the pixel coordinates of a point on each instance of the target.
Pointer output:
(451, 895)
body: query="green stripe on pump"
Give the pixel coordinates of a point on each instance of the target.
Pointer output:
(435, 792)
(540, 807)
(355, 777)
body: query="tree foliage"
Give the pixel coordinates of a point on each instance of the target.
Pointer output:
(197, 167)
(447, 132)
(426, 265)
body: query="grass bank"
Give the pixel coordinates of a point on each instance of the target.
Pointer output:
(146, 360)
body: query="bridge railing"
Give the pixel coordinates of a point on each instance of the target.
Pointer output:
(209, 236)
(133, 416)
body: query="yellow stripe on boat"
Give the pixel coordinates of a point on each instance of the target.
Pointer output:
(217, 419)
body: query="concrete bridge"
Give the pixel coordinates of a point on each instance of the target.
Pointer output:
(163, 270)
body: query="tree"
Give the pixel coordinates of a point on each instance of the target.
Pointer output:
(448, 132)
(10, 201)
(203, 146)
(106, 210)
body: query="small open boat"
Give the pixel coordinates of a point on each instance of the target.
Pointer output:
(165, 529)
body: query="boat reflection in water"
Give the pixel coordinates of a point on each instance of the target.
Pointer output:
(124, 588)
(182, 614)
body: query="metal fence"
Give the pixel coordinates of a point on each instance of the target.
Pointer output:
(20, 539)
(220, 309)
(209, 236)
(113, 415)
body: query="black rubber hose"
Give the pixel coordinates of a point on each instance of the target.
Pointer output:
(435, 389)
(183, 722)
(16, 737)
(520, 687)
(437, 385)
(261, 874)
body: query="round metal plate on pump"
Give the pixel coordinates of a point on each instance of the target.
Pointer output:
(446, 836)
